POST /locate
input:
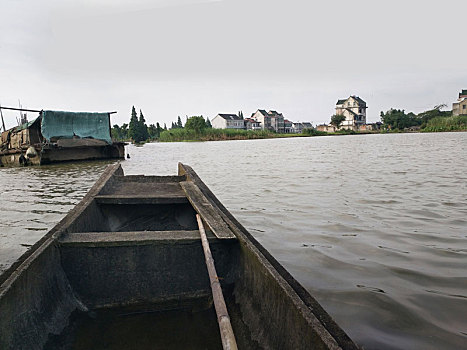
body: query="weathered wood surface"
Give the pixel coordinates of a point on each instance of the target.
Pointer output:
(95, 239)
(143, 191)
(209, 214)
(141, 199)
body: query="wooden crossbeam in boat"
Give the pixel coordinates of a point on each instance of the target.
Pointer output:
(140, 199)
(204, 208)
(227, 334)
(107, 239)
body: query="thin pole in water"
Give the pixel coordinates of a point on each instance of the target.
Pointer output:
(227, 334)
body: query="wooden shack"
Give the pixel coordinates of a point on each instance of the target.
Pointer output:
(57, 136)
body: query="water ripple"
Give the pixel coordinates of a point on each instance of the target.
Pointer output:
(373, 226)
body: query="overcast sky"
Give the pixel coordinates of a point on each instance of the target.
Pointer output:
(189, 57)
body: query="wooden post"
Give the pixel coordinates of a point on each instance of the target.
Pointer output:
(20, 109)
(3, 122)
(227, 335)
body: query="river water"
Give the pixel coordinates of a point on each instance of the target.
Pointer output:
(374, 226)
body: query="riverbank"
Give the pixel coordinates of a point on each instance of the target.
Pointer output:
(440, 124)
(178, 135)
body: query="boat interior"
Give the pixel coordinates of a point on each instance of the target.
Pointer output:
(125, 270)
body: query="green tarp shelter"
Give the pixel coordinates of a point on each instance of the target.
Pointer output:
(58, 124)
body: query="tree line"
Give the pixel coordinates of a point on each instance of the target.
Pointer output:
(398, 119)
(138, 131)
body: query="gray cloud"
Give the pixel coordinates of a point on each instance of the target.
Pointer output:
(201, 57)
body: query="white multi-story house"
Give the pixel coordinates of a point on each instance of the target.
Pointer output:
(354, 110)
(271, 120)
(227, 121)
(460, 107)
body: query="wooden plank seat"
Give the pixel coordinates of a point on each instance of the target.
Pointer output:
(107, 239)
(148, 192)
(141, 199)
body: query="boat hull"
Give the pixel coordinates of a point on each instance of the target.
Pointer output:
(131, 247)
(62, 154)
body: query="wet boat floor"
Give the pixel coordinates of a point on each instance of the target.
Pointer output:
(117, 329)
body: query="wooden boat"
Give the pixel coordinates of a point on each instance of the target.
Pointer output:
(125, 270)
(56, 136)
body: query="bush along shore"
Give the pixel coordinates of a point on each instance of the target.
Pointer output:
(440, 124)
(175, 135)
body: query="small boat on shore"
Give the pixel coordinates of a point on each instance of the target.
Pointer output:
(57, 136)
(125, 269)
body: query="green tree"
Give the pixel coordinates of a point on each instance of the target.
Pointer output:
(240, 114)
(208, 123)
(426, 116)
(196, 123)
(398, 119)
(116, 132)
(337, 120)
(142, 127)
(159, 129)
(179, 123)
(152, 131)
(133, 126)
(124, 132)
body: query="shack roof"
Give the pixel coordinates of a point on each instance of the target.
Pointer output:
(59, 124)
(26, 125)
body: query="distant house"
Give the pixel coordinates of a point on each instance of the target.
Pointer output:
(326, 128)
(354, 110)
(460, 107)
(271, 120)
(227, 121)
(371, 127)
(251, 124)
(297, 128)
(287, 126)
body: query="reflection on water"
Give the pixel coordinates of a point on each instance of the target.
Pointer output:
(373, 226)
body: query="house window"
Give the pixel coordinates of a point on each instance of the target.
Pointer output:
(463, 107)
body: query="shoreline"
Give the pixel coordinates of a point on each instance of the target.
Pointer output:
(281, 136)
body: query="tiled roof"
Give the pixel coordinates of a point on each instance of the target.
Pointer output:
(359, 100)
(270, 113)
(230, 116)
